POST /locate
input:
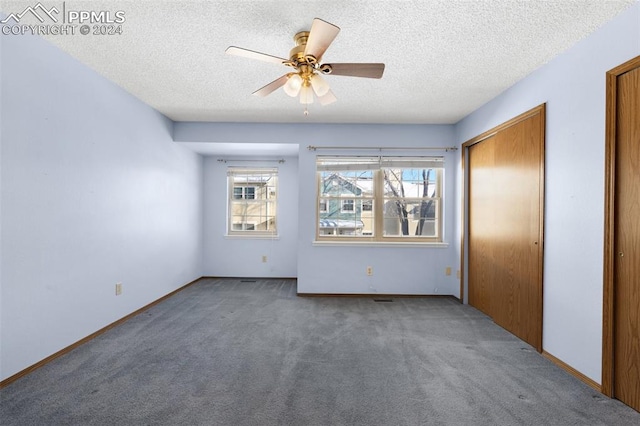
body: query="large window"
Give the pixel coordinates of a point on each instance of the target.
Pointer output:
(252, 201)
(380, 198)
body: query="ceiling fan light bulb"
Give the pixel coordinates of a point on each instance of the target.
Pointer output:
(306, 94)
(293, 85)
(319, 84)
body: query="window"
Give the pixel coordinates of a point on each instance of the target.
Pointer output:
(252, 201)
(348, 205)
(380, 198)
(244, 192)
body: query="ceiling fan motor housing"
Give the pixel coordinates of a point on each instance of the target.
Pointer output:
(296, 54)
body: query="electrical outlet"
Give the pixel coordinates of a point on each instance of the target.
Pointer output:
(458, 273)
(435, 290)
(369, 270)
(448, 271)
(264, 259)
(118, 289)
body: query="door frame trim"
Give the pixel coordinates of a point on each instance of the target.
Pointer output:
(608, 308)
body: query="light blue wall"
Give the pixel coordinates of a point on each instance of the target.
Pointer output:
(573, 87)
(396, 269)
(332, 269)
(94, 192)
(239, 256)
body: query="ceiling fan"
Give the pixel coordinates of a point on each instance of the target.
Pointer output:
(305, 59)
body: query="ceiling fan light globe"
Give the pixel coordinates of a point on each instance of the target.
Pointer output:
(320, 85)
(306, 95)
(293, 85)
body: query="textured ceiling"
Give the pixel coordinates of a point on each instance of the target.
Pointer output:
(443, 58)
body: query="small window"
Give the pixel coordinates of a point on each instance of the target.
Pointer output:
(244, 193)
(252, 201)
(250, 193)
(348, 205)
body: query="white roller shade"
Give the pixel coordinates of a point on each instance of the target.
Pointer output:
(341, 164)
(243, 171)
(412, 162)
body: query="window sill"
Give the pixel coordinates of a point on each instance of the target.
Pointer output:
(252, 237)
(379, 244)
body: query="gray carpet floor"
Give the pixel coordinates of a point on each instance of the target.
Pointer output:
(236, 352)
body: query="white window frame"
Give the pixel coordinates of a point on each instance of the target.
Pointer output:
(376, 165)
(349, 201)
(244, 192)
(260, 179)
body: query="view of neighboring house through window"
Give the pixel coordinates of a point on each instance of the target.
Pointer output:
(252, 201)
(380, 198)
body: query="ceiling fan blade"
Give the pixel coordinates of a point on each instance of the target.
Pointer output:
(327, 98)
(271, 87)
(321, 35)
(246, 53)
(358, 70)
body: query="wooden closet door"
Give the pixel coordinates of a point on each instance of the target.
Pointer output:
(627, 242)
(506, 177)
(481, 224)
